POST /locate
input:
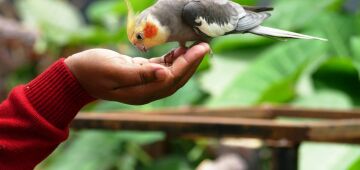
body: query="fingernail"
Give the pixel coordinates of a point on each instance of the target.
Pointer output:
(205, 45)
(160, 74)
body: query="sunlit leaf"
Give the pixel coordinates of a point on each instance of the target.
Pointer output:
(99, 150)
(325, 99)
(323, 156)
(222, 72)
(273, 76)
(338, 29)
(58, 20)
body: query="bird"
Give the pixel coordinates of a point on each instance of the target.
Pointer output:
(185, 21)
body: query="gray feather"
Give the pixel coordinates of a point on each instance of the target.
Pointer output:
(218, 12)
(272, 32)
(257, 9)
(251, 20)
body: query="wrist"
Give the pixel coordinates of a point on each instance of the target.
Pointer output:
(57, 95)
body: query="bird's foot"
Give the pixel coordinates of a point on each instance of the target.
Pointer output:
(169, 58)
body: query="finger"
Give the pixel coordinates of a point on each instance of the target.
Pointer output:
(183, 63)
(179, 84)
(188, 75)
(173, 86)
(140, 60)
(155, 90)
(138, 75)
(161, 60)
(146, 92)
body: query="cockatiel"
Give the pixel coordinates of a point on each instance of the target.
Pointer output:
(198, 20)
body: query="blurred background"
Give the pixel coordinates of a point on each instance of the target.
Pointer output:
(245, 70)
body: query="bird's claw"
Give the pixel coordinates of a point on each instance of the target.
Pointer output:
(168, 58)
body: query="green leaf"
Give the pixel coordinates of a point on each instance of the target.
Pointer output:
(214, 82)
(56, 19)
(92, 150)
(98, 150)
(170, 162)
(140, 138)
(272, 78)
(325, 99)
(355, 165)
(355, 47)
(338, 29)
(339, 74)
(295, 15)
(238, 41)
(126, 162)
(140, 5)
(322, 156)
(104, 10)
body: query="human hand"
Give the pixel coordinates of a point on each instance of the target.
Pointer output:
(108, 75)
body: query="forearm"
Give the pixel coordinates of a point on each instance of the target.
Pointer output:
(35, 117)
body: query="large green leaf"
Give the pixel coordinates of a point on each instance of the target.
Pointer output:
(91, 151)
(113, 10)
(273, 76)
(323, 156)
(325, 99)
(339, 74)
(295, 15)
(56, 19)
(214, 81)
(355, 47)
(338, 29)
(102, 11)
(99, 150)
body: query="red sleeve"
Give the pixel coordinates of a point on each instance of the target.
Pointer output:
(34, 119)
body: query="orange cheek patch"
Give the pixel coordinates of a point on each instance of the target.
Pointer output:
(150, 30)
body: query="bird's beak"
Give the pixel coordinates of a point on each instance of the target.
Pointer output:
(141, 47)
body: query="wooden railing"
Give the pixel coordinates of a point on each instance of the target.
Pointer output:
(293, 125)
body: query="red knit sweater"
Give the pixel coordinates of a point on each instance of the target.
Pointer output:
(34, 119)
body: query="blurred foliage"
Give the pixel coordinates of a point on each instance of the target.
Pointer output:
(257, 70)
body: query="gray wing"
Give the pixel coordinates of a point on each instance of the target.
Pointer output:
(251, 20)
(213, 18)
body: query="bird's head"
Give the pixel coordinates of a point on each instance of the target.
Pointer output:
(145, 31)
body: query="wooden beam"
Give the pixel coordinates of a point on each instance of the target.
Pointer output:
(195, 125)
(314, 113)
(268, 112)
(233, 123)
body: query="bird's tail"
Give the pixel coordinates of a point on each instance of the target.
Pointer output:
(272, 32)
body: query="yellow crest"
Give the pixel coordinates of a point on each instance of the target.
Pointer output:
(131, 19)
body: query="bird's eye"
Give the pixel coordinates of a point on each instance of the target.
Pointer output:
(139, 37)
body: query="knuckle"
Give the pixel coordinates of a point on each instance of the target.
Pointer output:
(144, 79)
